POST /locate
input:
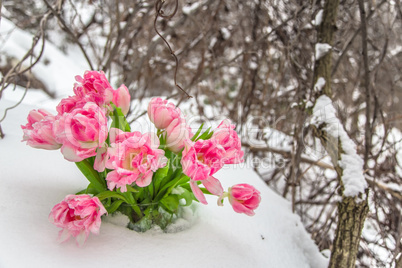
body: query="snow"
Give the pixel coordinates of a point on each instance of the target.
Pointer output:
(318, 18)
(253, 65)
(351, 163)
(191, 8)
(321, 49)
(225, 33)
(55, 69)
(319, 85)
(213, 42)
(33, 181)
(309, 104)
(308, 26)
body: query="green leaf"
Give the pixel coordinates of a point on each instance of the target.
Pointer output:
(206, 135)
(109, 194)
(91, 160)
(93, 177)
(150, 190)
(129, 197)
(89, 190)
(187, 187)
(205, 191)
(162, 141)
(131, 200)
(119, 120)
(81, 192)
(167, 189)
(187, 196)
(172, 173)
(114, 206)
(131, 189)
(170, 203)
(159, 175)
(197, 133)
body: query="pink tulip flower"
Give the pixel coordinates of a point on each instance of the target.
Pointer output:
(115, 136)
(121, 98)
(35, 116)
(38, 132)
(176, 134)
(68, 104)
(226, 136)
(81, 132)
(162, 113)
(244, 198)
(134, 157)
(78, 215)
(94, 87)
(202, 159)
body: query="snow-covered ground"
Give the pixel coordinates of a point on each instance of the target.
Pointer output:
(33, 181)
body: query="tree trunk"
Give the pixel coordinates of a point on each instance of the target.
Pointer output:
(352, 211)
(323, 66)
(351, 217)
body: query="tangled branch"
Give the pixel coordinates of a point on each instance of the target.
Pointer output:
(161, 13)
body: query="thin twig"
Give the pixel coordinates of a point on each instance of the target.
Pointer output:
(349, 43)
(137, 117)
(15, 105)
(16, 70)
(68, 30)
(13, 71)
(287, 154)
(160, 13)
(366, 82)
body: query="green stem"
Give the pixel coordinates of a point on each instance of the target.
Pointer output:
(133, 203)
(93, 176)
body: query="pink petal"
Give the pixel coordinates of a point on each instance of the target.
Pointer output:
(213, 186)
(100, 159)
(240, 208)
(64, 235)
(70, 153)
(144, 181)
(81, 239)
(197, 192)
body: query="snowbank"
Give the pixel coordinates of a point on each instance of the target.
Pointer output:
(34, 180)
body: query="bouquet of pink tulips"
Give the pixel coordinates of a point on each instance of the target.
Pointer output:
(147, 176)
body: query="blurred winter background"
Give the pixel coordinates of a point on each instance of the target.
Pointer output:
(251, 61)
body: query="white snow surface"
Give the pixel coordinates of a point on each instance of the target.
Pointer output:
(33, 181)
(319, 84)
(253, 65)
(309, 104)
(318, 18)
(191, 8)
(351, 163)
(321, 49)
(225, 33)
